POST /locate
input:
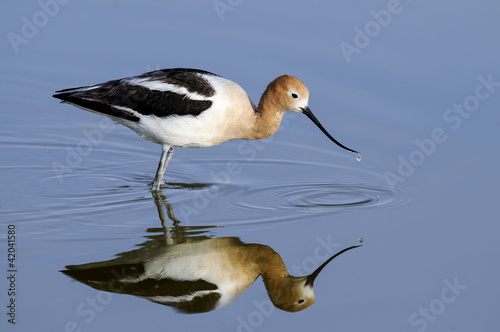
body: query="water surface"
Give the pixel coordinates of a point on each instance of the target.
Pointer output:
(76, 187)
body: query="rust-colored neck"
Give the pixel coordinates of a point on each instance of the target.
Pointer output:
(269, 264)
(269, 113)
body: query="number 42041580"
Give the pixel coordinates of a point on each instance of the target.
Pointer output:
(11, 246)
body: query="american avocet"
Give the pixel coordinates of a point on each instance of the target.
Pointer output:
(199, 275)
(192, 108)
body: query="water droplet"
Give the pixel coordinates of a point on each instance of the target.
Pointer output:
(358, 158)
(361, 240)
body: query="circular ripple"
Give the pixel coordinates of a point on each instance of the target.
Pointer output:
(320, 197)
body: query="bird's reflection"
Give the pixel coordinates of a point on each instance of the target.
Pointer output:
(190, 269)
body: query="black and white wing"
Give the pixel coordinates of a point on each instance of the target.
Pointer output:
(189, 296)
(161, 93)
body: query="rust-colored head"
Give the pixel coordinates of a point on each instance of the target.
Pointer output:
(288, 93)
(296, 293)
(293, 294)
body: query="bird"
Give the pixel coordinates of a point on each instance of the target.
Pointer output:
(199, 274)
(185, 107)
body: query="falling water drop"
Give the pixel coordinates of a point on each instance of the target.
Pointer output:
(358, 158)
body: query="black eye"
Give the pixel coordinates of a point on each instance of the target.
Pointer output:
(301, 301)
(295, 96)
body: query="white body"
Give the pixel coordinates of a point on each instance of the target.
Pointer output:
(225, 120)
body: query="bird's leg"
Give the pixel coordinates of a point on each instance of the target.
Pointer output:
(160, 200)
(166, 155)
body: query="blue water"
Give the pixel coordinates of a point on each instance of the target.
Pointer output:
(413, 85)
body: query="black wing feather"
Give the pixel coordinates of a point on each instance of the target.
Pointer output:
(119, 279)
(96, 106)
(103, 98)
